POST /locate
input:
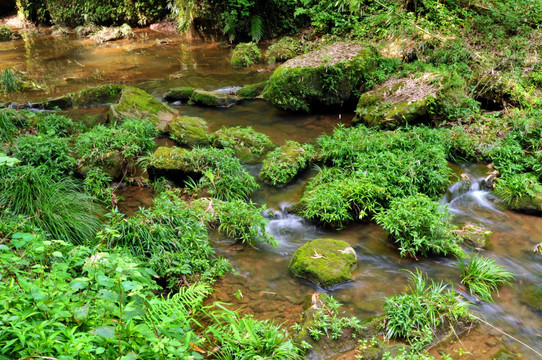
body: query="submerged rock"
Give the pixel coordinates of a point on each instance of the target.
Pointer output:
(214, 98)
(478, 236)
(321, 78)
(399, 101)
(531, 295)
(135, 103)
(327, 262)
(189, 131)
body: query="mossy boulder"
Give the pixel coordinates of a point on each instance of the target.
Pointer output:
(169, 162)
(247, 144)
(113, 33)
(95, 96)
(112, 164)
(282, 50)
(251, 91)
(182, 93)
(245, 54)
(327, 262)
(531, 295)
(5, 33)
(399, 101)
(320, 79)
(135, 103)
(283, 164)
(189, 131)
(214, 98)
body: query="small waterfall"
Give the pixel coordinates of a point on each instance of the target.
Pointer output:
(291, 231)
(472, 196)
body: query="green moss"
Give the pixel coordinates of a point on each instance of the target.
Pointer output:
(318, 82)
(284, 163)
(135, 103)
(245, 54)
(189, 131)
(103, 94)
(325, 261)
(247, 144)
(282, 50)
(520, 192)
(213, 98)
(169, 158)
(182, 93)
(251, 91)
(5, 33)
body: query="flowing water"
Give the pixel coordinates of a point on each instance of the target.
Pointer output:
(262, 284)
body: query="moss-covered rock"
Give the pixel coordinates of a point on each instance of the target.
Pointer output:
(245, 54)
(214, 98)
(476, 235)
(170, 162)
(282, 50)
(399, 101)
(5, 33)
(113, 33)
(112, 164)
(189, 131)
(319, 79)
(247, 144)
(182, 93)
(99, 95)
(286, 162)
(531, 295)
(251, 91)
(327, 262)
(520, 192)
(135, 103)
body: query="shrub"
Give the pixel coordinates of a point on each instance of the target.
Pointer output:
(420, 226)
(483, 276)
(223, 175)
(417, 315)
(245, 54)
(46, 150)
(56, 205)
(244, 221)
(284, 163)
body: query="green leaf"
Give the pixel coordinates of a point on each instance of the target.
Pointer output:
(107, 332)
(108, 295)
(105, 281)
(79, 283)
(19, 240)
(82, 314)
(57, 254)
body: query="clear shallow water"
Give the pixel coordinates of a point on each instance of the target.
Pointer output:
(156, 62)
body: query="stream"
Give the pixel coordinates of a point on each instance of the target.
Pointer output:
(261, 283)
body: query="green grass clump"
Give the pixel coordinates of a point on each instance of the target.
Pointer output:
(223, 175)
(53, 124)
(245, 54)
(283, 49)
(51, 151)
(130, 140)
(10, 81)
(244, 222)
(56, 204)
(428, 307)
(284, 163)
(483, 276)
(519, 190)
(420, 226)
(11, 123)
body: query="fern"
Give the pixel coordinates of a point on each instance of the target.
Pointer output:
(256, 28)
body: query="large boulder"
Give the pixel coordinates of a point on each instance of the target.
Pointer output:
(327, 262)
(321, 78)
(399, 101)
(135, 103)
(189, 131)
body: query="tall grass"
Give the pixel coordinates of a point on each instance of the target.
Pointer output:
(9, 81)
(56, 205)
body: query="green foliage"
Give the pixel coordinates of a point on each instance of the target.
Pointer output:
(223, 175)
(97, 184)
(245, 54)
(130, 139)
(5, 33)
(7, 160)
(483, 276)
(246, 338)
(247, 143)
(11, 122)
(518, 190)
(420, 226)
(53, 124)
(55, 204)
(427, 307)
(284, 163)
(283, 49)
(10, 81)
(170, 236)
(50, 151)
(244, 221)
(77, 302)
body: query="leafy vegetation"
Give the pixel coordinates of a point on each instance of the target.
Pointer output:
(284, 163)
(420, 226)
(245, 54)
(483, 276)
(247, 144)
(10, 81)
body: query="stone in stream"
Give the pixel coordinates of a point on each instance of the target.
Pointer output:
(247, 144)
(283, 164)
(399, 101)
(182, 93)
(135, 103)
(214, 98)
(327, 262)
(319, 79)
(189, 131)
(476, 235)
(531, 295)
(169, 162)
